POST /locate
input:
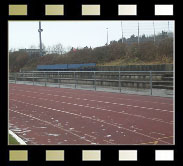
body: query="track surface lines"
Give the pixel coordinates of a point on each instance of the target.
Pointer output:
(47, 115)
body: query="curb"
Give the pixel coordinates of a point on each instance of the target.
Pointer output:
(17, 138)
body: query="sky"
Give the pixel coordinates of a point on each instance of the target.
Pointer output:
(24, 34)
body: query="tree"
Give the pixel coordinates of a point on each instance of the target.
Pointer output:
(58, 49)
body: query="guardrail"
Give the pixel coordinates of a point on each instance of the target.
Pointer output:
(95, 79)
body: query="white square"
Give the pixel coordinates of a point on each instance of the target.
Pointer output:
(164, 10)
(127, 155)
(164, 155)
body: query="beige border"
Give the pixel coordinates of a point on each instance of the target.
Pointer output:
(15, 10)
(130, 10)
(54, 10)
(90, 10)
(18, 155)
(91, 155)
(127, 155)
(54, 155)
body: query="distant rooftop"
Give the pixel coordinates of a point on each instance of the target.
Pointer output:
(32, 51)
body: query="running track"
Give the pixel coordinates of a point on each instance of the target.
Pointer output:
(47, 115)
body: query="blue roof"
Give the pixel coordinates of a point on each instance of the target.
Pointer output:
(75, 66)
(45, 67)
(64, 66)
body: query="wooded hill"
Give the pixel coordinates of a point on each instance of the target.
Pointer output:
(116, 53)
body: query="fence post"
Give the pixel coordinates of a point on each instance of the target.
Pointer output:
(45, 77)
(58, 79)
(33, 78)
(95, 81)
(23, 76)
(151, 82)
(15, 78)
(119, 81)
(75, 79)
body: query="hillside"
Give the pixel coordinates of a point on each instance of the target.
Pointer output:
(136, 61)
(114, 54)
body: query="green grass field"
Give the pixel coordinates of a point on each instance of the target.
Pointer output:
(12, 141)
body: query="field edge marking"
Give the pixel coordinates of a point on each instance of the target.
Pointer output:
(18, 139)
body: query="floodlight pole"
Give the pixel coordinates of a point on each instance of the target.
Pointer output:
(138, 32)
(121, 32)
(40, 30)
(154, 33)
(107, 36)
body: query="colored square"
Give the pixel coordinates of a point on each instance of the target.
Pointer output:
(127, 155)
(54, 155)
(54, 10)
(18, 155)
(90, 10)
(127, 10)
(163, 10)
(164, 155)
(15, 10)
(91, 155)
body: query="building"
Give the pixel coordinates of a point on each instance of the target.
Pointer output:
(32, 52)
(62, 67)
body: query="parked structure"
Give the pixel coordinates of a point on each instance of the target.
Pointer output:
(60, 67)
(32, 52)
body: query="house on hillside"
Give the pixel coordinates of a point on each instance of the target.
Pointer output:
(32, 52)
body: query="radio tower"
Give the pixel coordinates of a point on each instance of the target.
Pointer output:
(40, 30)
(154, 33)
(107, 36)
(121, 32)
(138, 34)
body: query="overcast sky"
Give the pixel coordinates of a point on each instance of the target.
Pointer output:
(24, 34)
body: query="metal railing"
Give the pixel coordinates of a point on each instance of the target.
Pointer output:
(99, 79)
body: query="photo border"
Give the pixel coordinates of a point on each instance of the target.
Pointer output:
(73, 153)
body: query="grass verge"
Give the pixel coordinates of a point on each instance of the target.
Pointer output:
(13, 141)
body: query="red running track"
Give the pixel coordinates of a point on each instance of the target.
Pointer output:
(46, 115)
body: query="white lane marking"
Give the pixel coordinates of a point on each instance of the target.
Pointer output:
(157, 133)
(103, 109)
(30, 116)
(161, 110)
(17, 138)
(98, 120)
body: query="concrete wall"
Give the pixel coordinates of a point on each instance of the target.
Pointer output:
(162, 67)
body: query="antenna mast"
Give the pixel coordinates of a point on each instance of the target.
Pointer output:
(154, 33)
(40, 30)
(107, 36)
(121, 32)
(138, 32)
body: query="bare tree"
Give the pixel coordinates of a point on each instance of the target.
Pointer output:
(43, 47)
(49, 49)
(58, 49)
